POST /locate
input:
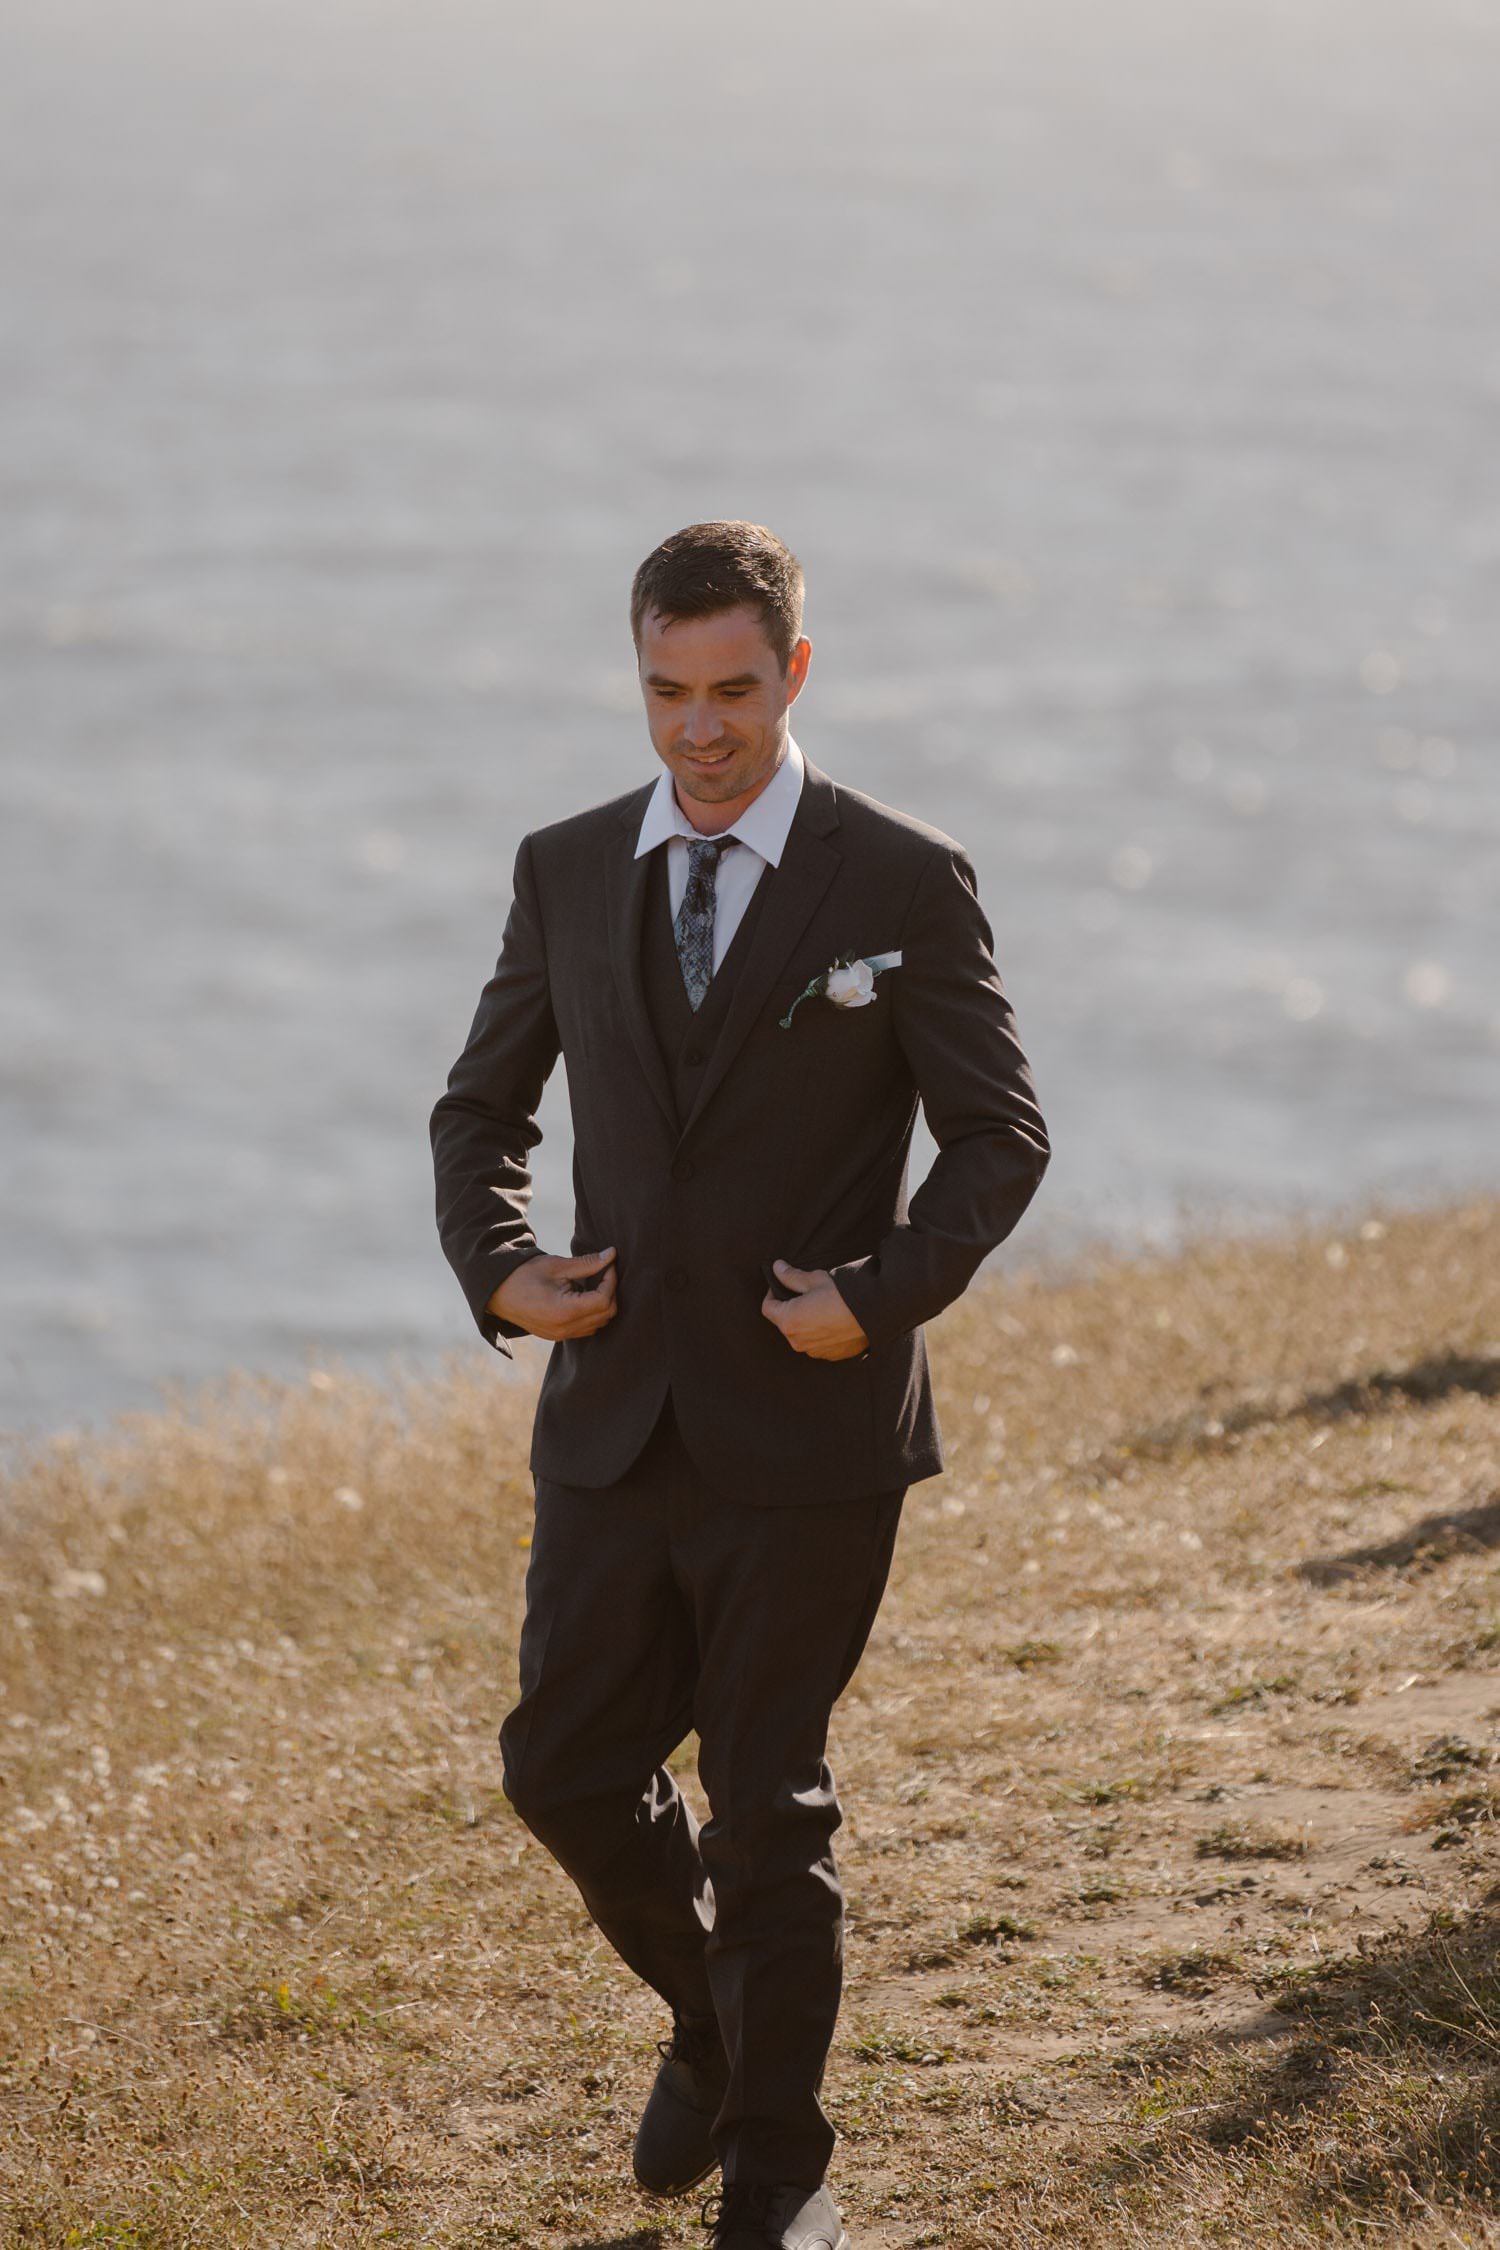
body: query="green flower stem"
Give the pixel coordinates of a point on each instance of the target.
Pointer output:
(815, 987)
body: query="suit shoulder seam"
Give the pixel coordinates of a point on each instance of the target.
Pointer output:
(941, 849)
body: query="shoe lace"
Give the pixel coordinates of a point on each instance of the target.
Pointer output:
(734, 2203)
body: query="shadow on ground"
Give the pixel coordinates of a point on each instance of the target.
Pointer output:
(1438, 1376)
(1436, 1539)
(1389, 2079)
(640, 2238)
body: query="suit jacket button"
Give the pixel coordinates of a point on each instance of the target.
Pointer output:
(683, 1168)
(676, 1278)
(694, 1055)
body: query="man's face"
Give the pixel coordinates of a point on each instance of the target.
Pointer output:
(716, 704)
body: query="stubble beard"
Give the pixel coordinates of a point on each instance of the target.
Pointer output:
(714, 785)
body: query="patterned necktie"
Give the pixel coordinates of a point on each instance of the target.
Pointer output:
(694, 926)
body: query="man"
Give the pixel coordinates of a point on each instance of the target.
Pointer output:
(753, 976)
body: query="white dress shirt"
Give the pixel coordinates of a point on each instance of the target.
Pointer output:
(761, 831)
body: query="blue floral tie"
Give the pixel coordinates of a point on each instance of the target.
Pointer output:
(694, 926)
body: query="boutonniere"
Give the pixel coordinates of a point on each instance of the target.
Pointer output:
(849, 982)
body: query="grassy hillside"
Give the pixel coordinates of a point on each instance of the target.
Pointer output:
(1171, 1775)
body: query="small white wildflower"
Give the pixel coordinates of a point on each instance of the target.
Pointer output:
(69, 1584)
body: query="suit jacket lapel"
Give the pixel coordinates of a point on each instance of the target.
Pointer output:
(808, 865)
(625, 879)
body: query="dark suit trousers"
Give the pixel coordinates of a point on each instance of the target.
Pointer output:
(655, 1606)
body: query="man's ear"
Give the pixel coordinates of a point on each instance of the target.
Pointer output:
(796, 667)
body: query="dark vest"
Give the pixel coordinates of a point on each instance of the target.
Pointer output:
(685, 1037)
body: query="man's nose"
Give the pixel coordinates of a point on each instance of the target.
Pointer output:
(701, 727)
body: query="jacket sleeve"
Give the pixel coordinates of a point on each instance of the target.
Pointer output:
(484, 1127)
(957, 1030)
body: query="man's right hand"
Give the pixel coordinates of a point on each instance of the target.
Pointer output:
(558, 1297)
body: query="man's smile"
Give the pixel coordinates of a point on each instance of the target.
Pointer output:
(707, 761)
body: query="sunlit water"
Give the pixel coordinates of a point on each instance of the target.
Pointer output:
(1128, 379)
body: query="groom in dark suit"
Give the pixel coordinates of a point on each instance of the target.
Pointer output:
(753, 977)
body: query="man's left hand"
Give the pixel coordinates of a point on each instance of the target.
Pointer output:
(816, 1320)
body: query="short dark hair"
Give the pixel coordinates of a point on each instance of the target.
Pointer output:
(710, 567)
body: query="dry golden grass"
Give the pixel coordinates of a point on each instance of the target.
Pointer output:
(1171, 1776)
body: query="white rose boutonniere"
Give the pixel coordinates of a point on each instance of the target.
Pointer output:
(849, 982)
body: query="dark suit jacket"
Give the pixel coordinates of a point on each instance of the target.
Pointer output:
(795, 1146)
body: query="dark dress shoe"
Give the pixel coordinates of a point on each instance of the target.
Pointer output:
(785, 2217)
(674, 2147)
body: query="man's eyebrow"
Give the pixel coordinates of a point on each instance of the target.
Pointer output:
(740, 679)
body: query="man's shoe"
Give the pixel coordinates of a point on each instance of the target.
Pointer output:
(674, 2147)
(750, 2217)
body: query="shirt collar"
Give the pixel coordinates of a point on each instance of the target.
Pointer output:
(764, 824)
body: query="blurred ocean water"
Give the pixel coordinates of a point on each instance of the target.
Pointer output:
(1127, 377)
